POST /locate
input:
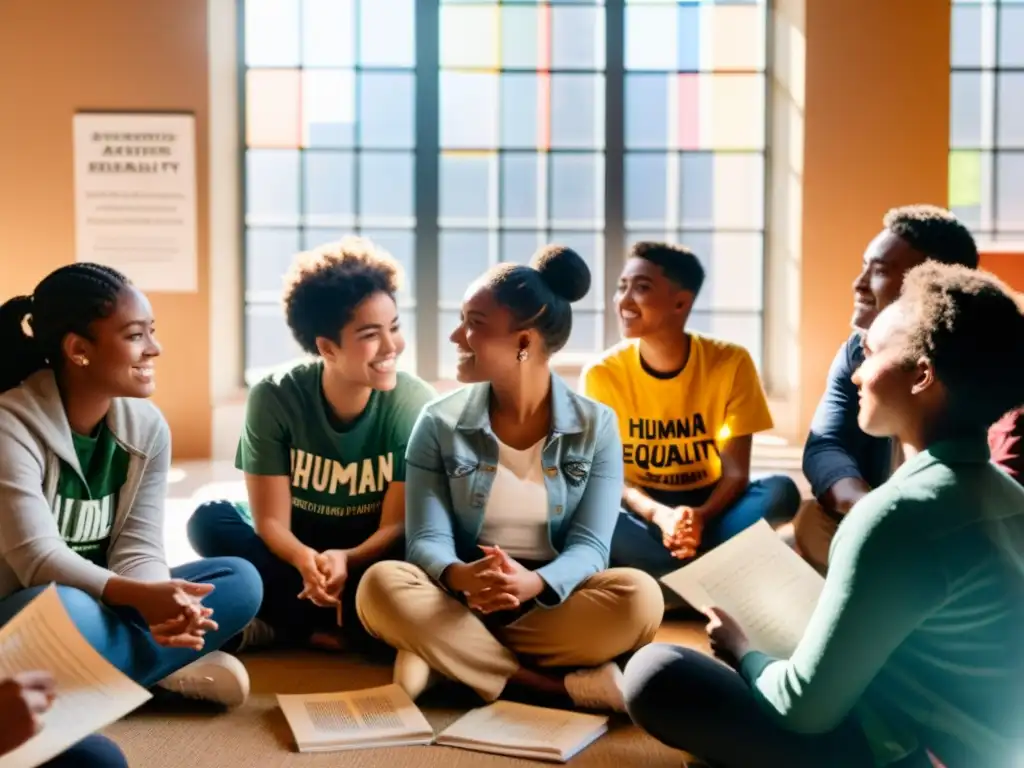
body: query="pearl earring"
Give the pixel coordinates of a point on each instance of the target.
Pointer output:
(523, 356)
(83, 361)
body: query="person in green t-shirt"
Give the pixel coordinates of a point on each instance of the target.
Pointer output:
(913, 651)
(323, 451)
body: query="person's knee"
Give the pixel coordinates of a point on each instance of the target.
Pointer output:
(94, 751)
(246, 585)
(81, 606)
(644, 681)
(380, 587)
(782, 497)
(640, 603)
(202, 527)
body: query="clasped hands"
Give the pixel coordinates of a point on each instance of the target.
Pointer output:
(495, 582)
(681, 529)
(172, 609)
(323, 576)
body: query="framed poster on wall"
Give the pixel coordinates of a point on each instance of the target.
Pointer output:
(135, 196)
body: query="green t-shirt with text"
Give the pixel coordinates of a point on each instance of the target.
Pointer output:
(338, 472)
(84, 511)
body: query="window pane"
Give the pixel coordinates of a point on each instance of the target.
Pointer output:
(464, 257)
(521, 37)
(1010, 93)
(577, 111)
(1010, 190)
(407, 360)
(739, 258)
(587, 335)
(314, 237)
(743, 329)
(271, 33)
(387, 103)
(272, 108)
(269, 253)
(647, 111)
(520, 246)
(725, 191)
(647, 188)
(577, 38)
(702, 244)
(524, 118)
(402, 245)
(329, 189)
(651, 37)
(687, 43)
(469, 36)
(468, 189)
(386, 189)
(272, 188)
(965, 109)
(387, 33)
(328, 33)
(1011, 36)
(736, 119)
(328, 108)
(970, 176)
(967, 41)
(469, 108)
(523, 188)
(577, 190)
(268, 341)
(737, 37)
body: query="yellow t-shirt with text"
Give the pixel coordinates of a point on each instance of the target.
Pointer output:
(672, 429)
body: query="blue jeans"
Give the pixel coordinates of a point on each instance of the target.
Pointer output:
(91, 752)
(121, 636)
(219, 528)
(637, 543)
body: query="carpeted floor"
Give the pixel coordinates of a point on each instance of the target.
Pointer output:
(256, 734)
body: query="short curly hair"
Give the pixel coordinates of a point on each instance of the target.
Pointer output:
(324, 286)
(679, 264)
(970, 326)
(935, 232)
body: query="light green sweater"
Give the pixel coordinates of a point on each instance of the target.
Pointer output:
(919, 631)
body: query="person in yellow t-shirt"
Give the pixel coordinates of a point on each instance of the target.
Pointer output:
(688, 406)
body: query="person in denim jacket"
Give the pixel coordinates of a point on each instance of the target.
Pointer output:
(512, 495)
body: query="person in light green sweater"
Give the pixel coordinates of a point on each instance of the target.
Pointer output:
(913, 655)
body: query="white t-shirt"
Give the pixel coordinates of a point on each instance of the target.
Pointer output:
(516, 517)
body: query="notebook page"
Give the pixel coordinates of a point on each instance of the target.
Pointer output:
(766, 586)
(354, 717)
(91, 693)
(521, 726)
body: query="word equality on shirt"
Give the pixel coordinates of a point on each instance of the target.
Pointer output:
(365, 476)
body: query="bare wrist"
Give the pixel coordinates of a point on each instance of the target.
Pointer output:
(122, 591)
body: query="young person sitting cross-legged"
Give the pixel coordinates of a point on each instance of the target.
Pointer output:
(841, 462)
(84, 459)
(323, 452)
(914, 646)
(688, 406)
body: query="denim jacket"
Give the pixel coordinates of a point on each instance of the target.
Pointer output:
(451, 464)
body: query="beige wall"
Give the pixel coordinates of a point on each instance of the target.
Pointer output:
(860, 102)
(59, 56)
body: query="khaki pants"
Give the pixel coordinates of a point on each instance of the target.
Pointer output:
(813, 530)
(611, 613)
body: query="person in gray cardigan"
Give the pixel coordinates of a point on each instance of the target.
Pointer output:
(84, 460)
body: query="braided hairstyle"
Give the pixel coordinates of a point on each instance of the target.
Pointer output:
(68, 300)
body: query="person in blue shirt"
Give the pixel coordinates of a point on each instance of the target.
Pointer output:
(512, 495)
(841, 462)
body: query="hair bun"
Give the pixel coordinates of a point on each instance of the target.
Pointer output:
(563, 270)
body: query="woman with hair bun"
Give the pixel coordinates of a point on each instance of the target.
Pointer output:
(512, 495)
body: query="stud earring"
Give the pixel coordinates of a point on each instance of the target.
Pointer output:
(523, 355)
(83, 361)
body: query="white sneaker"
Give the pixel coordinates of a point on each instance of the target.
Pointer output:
(599, 688)
(413, 674)
(257, 634)
(216, 677)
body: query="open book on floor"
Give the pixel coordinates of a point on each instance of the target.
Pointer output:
(373, 717)
(520, 730)
(759, 581)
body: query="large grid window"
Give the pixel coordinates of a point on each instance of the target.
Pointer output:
(462, 133)
(986, 159)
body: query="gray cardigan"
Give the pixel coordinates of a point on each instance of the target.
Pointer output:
(34, 438)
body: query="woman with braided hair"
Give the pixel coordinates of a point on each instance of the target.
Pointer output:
(84, 460)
